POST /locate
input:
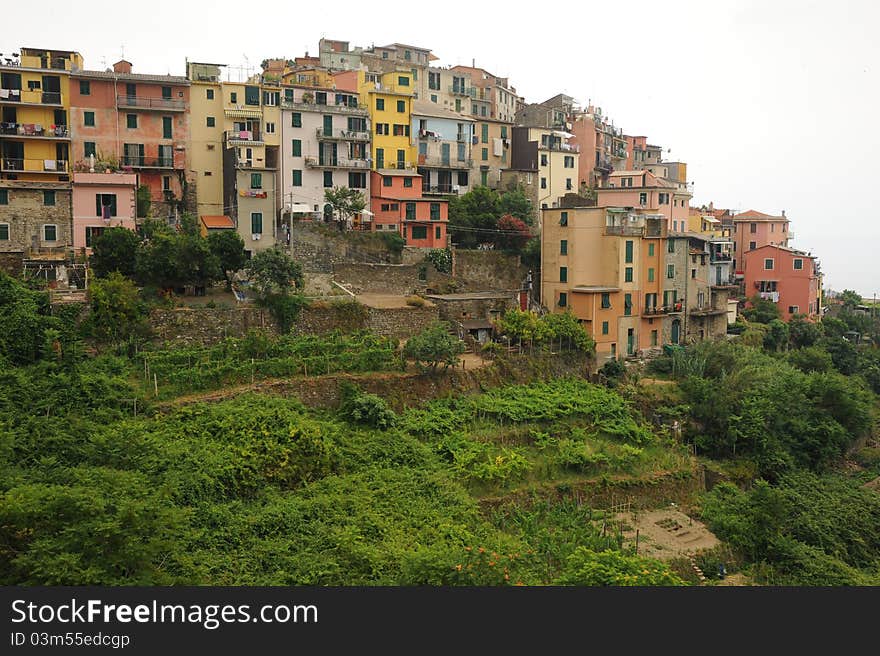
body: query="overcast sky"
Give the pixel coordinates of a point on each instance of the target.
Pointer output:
(770, 103)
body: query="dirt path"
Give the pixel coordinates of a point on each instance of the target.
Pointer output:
(667, 533)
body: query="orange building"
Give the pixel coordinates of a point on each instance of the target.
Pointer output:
(788, 277)
(397, 204)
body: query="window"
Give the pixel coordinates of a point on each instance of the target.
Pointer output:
(382, 128)
(270, 128)
(670, 245)
(753, 245)
(357, 180)
(693, 273)
(252, 96)
(401, 160)
(604, 327)
(401, 130)
(420, 232)
(438, 233)
(85, 88)
(434, 81)
(569, 162)
(670, 271)
(256, 223)
(4, 232)
(50, 232)
(563, 247)
(328, 178)
(433, 97)
(643, 198)
(407, 182)
(629, 252)
(386, 180)
(131, 90)
(614, 350)
(484, 133)
(105, 205)
(663, 198)
(568, 184)
(650, 274)
(233, 98)
(256, 180)
(627, 304)
(4, 197)
(768, 264)
(543, 159)
(403, 81)
(563, 274)
(209, 94)
(463, 179)
(166, 93)
(89, 119)
(166, 127)
(410, 211)
(296, 120)
(628, 274)
(563, 299)
(210, 122)
(794, 309)
(543, 183)
(653, 338)
(296, 148)
(49, 198)
(798, 264)
(485, 154)
(401, 106)
(474, 109)
(435, 211)
(380, 158)
(651, 250)
(297, 178)
(606, 300)
(380, 103)
(563, 219)
(753, 228)
(131, 121)
(166, 183)
(89, 149)
(208, 174)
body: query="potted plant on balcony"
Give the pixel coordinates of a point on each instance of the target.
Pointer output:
(308, 97)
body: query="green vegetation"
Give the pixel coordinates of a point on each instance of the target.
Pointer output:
(484, 216)
(434, 346)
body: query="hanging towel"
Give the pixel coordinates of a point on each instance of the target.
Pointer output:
(497, 147)
(49, 165)
(4, 93)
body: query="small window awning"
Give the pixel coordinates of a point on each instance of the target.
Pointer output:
(243, 113)
(216, 222)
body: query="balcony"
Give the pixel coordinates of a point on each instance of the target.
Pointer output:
(34, 131)
(770, 296)
(675, 308)
(706, 311)
(439, 162)
(625, 231)
(456, 90)
(150, 104)
(342, 135)
(148, 162)
(30, 97)
(441, 190)
(324, 109)
(720, 257)
(248, 137)
(558, 146)
(400, 166)
(604, 165)
(14, 165)
(338, 163)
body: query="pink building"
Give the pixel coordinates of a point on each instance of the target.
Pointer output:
(645, 190)
(753, 230)
(788, 277)
(397, 204)
(101, 201)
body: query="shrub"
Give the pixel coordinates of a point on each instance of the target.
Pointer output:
(362, 408)
(434, 346)
(415, 301)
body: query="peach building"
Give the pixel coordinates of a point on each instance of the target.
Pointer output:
(397, 204)
(101, 201)
(751, 230)
(788, 277)
(644, 190)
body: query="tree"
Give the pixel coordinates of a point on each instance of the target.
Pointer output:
(345, 203)
(228, 247)
(762, 310)
(850, 298)
(803, 333)
(606, 568)
(273, 271)
(473, 217)
(434, 346)
(776, 338)
(116, 309)
(516, 203)
(515, 233)
(114, 250)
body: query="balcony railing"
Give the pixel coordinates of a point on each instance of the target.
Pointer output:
(30, 97)
(244, 136)
(148, 162)
(721, 257)
(770, 296)
(315, 107)
(400, 166)
(462, 91)
(36, 130)
(158, 104)
(342, 135)
(337, 163)
(435, 161)
(664, 309)
(560, 147)
(28, 165)
(629, 231)
(441, 189)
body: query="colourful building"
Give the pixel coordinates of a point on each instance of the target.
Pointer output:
(34, 115)
(788, 277)
(397, 204)
(444, 143)
(137, 123)
(645, 190)
(751, 230)
(550, 153)
(101, 201)
(491, 152)
(389, 99)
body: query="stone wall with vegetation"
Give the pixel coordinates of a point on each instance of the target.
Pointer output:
(208, 325)
(483, 270)
(319, 247)
(397, 279)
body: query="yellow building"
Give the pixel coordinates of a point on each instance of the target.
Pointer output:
(553, 160)
(34, 115)
(389, 97)
(236, 134)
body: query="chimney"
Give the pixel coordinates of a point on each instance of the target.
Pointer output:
(783, 214)
(473, 63)
(122, 66)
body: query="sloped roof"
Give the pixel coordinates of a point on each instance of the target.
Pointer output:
(217, 222)
(754, 215)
